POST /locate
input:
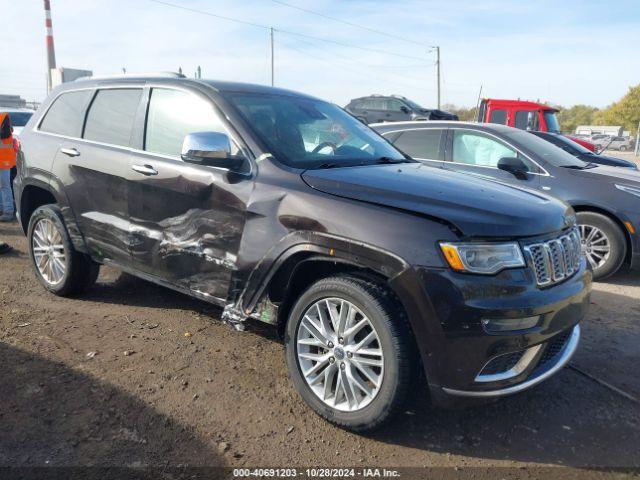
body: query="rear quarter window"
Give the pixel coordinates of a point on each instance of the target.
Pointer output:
(66, 114)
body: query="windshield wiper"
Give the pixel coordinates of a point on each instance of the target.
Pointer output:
(580, 167)
(327, 165)
(391, 161)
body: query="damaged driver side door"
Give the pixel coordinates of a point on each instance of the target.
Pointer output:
(186, 219)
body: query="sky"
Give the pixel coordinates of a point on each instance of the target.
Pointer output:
(565, 52)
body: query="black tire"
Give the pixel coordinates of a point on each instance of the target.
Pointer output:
(398, 346)
(80, 271)
(623, 148)
(616, 238)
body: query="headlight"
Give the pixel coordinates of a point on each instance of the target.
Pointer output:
(484, 258)
(632, 190)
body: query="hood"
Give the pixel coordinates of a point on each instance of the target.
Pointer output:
(477, 207)
(610, 174)
(614, 161)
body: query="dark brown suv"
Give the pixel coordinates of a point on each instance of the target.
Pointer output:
(283, 207)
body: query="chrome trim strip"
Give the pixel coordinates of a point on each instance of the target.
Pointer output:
(516, 370)
(567, 353)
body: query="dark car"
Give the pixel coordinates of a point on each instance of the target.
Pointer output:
(605, 198)
(284, 208)
(393, 108)
(582, 153)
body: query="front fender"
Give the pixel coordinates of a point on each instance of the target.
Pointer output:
(342, 249)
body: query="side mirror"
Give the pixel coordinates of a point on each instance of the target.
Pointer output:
(404, 109)
(212, 149)
(514, 166)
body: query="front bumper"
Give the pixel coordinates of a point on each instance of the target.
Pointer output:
(447, 311)
(543, 371)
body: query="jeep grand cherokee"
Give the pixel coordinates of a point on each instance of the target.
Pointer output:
(282, 207)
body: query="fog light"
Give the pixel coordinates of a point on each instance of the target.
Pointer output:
(501, 325)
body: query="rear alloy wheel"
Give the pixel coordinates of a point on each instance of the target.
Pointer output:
(349, 351)
(603, 243)
(49, 254)
(623, 148)
(59, 267)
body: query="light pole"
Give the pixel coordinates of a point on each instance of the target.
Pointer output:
(272, 59)
(437, 49)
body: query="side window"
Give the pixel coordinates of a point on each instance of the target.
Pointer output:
(421, 143)
(172, 115)
(375, 104)
(111, 115)
(522, 118)
(394, 105)
(498, 116)
(474, 148)
(66, 115)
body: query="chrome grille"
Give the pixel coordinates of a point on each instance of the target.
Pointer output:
(556, 259)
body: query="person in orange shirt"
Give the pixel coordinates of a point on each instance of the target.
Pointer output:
(8, 153)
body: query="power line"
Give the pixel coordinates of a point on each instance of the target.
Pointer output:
(287, 32)
(368, 65)
(351, 24)
(221, 17)
(347, 68)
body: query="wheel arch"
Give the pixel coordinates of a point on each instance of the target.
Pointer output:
(301, 270)
(33, 195)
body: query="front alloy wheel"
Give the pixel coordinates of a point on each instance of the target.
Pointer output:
(350, 352)
(603, 243)
(339, 354)
(595, 245)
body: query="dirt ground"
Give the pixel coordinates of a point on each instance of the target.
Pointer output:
(131, 374)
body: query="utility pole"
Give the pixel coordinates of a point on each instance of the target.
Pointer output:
(272, 59)
(438, 65)
(437, 49)
(51, 54)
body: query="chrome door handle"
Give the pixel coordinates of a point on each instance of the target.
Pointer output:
(72, 152)
(144, 169)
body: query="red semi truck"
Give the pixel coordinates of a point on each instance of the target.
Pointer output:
(524, 115)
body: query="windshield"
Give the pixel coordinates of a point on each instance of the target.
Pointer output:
(309, 133)
(546, 150)
(19, 119)
(552, 121)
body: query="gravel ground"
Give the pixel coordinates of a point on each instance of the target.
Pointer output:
(131, 374)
